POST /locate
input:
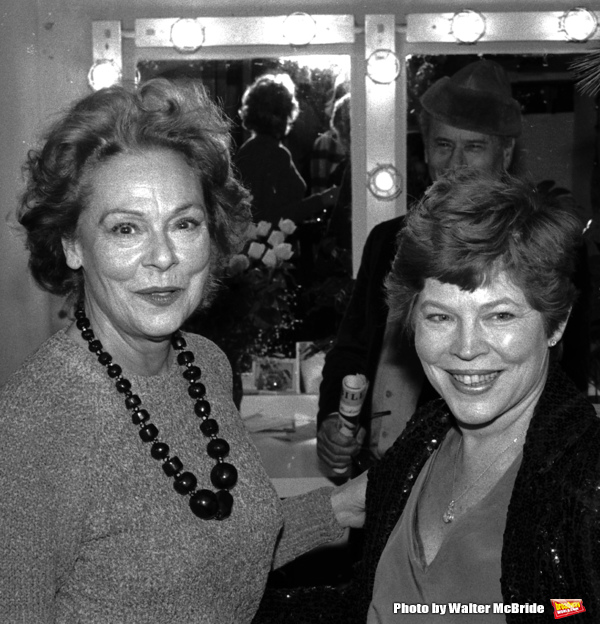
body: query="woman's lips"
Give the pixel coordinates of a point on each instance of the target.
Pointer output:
(161, 297)
(473, 383)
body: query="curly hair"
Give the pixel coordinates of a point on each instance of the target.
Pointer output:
(470, 226)
(157, 115)
(269, 105)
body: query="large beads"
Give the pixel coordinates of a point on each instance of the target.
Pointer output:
(217, 448)
(196, 390)
(185, 357)
(132, 401)
(185, 482)
(178, 341)
(114, 370)
(159, 450)
(148, 432)
(209, 427)
(123, 385)
(204, 504)
(202, 408)
(224, 475)
(192, 373)
(87, 334)
(95, 346)
(105, 358)
(172, 466)
(82, 323)
(140, 416)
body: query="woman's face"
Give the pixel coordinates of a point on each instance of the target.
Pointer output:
(143, 245)
(485, 352)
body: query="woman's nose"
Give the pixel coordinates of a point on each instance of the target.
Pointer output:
(161, 251)
(469, 342)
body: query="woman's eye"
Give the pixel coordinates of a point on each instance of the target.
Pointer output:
(123, 228)
(504, 316)
(187, 224)
(437, 318)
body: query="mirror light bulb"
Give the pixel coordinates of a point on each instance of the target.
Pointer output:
(299, 29)
(578, 24)
(383, 66)
(467, 26)
(385, 182)
(104, 73)
(187, 35)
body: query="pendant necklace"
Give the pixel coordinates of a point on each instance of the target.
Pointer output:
(204, 503)
(448, 515)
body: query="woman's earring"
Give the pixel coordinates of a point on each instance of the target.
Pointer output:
(553, 342)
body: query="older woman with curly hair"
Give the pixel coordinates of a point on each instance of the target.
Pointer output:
(269, 109)
(130, 489)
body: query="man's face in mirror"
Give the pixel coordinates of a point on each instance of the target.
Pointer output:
(447, 147)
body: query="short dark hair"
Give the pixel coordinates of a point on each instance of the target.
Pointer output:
(157, 115)
(469, 226)
(269, 105)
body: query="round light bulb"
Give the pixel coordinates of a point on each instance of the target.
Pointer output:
(578, 24)
(383, 66)
(299, 29)
(104, 73)
(385, 182)
(467, 26)
(187, 35)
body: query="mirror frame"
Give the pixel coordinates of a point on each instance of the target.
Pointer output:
(375, 129)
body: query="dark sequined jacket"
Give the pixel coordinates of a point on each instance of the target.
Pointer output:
(552, 539)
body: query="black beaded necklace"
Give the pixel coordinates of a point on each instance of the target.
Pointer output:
(205, 504)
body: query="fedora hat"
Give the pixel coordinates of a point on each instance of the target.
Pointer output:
(478, 97)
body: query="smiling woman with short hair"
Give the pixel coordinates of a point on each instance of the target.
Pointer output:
(491, 494)
(468, 498)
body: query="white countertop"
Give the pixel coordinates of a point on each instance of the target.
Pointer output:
(283, 428)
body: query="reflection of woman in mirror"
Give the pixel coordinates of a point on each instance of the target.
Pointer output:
(340, 222)
(269, 108)
(327, 152)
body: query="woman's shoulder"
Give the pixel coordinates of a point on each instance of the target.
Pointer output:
(206, 351)
(48, 399)
(45, 365)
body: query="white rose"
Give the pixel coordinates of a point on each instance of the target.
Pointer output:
(238, 264)
(287, 226)
(263, 228)
(256, 250)
(250, 233)
(276, 238)
(270, 259)
(284, 251)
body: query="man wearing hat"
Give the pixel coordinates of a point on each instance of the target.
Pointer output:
(469, 119)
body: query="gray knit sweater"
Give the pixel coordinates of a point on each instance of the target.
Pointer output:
(91, 529)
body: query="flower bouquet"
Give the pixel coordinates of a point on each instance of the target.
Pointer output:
(254, 314)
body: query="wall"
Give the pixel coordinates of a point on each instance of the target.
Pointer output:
(45, 46)
(24, 318)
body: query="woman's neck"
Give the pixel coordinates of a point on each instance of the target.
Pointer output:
(135, 356)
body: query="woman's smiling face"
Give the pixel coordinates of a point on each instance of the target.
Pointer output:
(143, 245)
(485, 352)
